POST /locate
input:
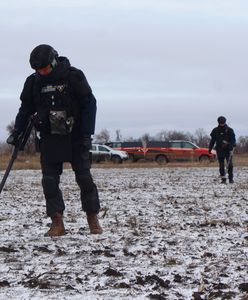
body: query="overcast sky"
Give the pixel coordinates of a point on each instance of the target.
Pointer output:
(153, 65)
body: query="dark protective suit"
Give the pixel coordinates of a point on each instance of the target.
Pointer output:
(64, 110)
(224, 139)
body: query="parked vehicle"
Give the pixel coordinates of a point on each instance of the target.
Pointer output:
(164, 152)
(104, 153)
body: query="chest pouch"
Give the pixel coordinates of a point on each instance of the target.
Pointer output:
(59, 122)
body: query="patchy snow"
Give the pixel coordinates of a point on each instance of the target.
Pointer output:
(169, 233)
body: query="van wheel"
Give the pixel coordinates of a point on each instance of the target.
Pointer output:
(161, 159)
(116, 159)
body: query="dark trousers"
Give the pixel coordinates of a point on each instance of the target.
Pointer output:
(222, 158)
(51, 172)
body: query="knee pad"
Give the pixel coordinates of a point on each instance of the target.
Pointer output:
(50, 185)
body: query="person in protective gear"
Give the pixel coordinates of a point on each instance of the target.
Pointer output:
(223, 137)
(63, 107)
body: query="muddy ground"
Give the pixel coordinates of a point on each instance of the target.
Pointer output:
(169, 233)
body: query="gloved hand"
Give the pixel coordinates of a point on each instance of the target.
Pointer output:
(38, 123)
(210, 151)
(13, 139)
(86, 142)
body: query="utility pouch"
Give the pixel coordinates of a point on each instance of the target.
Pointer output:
(59, 122)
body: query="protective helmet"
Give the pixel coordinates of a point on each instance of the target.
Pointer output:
(221, 120)
(42, 56)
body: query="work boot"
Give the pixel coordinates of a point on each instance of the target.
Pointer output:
(223, 180)
(57, 227)
(231, 181)
(93, 222)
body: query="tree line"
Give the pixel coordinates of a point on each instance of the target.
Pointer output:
(200, 138)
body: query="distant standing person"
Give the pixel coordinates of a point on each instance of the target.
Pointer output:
(224, 138)
(63, 107)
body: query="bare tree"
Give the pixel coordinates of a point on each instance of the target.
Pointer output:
(201, 138)
(179, 135)
(102, 137)
(145, 139)
(118, 135)
(242, 144)
(130, 139)
(162, 136)
(10, 127)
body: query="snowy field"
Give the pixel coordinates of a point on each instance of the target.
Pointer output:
(169, 233)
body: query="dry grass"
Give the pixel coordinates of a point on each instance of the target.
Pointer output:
(21, 163)
(33, 162)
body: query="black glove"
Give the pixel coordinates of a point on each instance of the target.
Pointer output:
(13, 139)
(41, 123)
(209, 151)
(86, 142)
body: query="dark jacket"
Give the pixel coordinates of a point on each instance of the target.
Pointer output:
(223, 137)
(64, 89)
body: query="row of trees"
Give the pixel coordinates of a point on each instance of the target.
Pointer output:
(200, 138)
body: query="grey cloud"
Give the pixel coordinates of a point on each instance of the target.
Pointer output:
(190, 60)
